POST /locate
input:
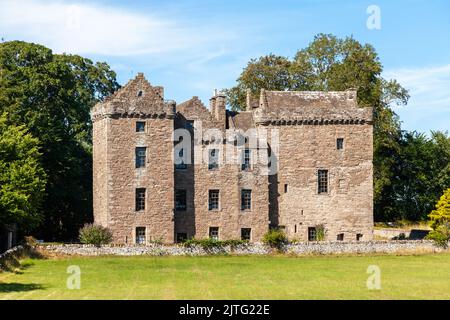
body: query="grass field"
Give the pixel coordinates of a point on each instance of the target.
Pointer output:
(231, 277)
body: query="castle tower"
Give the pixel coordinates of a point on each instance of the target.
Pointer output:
(133, 181)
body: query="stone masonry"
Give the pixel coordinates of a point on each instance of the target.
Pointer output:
(153, 178)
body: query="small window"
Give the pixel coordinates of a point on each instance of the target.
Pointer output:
(214, 233)
(312, 234)
(140, 157)
(140, 199)
(340, 237)
(140, 126)
(182, 164)
(295, 228)
(340, 143)
(213, 161)
(140, 235)
(246, 199)
(140, 93)
(285, 188)
(359, 237)
(181, 237)
(322, 177)
(213, 200)
(246, 234)
(180, 199)
(246, 160)
(189, 125)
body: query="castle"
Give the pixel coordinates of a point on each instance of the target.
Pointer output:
(299, 161)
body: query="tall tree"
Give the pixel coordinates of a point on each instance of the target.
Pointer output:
(330, 63)
(52, 94)
(22, 178)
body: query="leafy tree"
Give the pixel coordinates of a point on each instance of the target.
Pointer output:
(440, 218)
(52, 94)
(330, 63)
(22, 178)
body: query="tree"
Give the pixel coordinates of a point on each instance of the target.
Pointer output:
(22, 178)
(440, 218)
(330, 63)
(52, 95)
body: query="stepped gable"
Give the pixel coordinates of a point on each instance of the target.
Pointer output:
(194, 109)
(138, 98)
(311, 106)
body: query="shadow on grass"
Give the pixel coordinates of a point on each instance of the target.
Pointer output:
(19, 287)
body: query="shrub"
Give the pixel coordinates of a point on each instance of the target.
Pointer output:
(211, 243)
(440, 219)
(275, 238)
(440, 235)
(321, 232)
(95, 234)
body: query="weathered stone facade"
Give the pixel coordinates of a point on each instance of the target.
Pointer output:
(309, 134)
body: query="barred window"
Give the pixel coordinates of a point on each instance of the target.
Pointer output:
(246, 233)
(322, 179)
(180, 199)
(340, 237)
(246, 199)
(140, 235)
(140, 126)
(312, 234)
(140, 157)
(214, 233)
(213, 199)
(140, 199)
(246, 160)
(213, 159)
(340, 143)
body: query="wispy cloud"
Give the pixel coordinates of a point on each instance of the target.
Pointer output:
(429, 105)
(99, 29)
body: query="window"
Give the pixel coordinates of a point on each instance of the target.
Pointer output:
(181, 165)
(140, 93)
(140, 126)
(181, 237)
(285, 188)
(213, 199)
(180, 199)
(246, 160)
(140, 156)
(295, 228)
(246, 199)
(140, 199)
(246, 234)
(311, 234)
(140, 235)
(340, 143)
(214, 233)
(340, 237)
(322, 181)
(189, 125)
(359, 237)
(213, 161)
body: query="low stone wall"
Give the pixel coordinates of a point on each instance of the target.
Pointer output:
(10, 257)
(401, 246)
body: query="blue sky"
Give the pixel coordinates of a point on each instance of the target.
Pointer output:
(192, 47)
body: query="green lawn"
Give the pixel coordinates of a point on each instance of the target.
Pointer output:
(231, 277)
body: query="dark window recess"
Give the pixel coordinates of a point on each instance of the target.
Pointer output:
(340, 237)
(213, 200)
(359, 237)
(189, 125)
(140, 235)
(246, 234)
(285, 188)
(340, 143)
(181, 165)
(295, 228)
(246, 199)
(140, 199)
(322, 181)
(180, 199)
(246, 160)
(140, 126)
(181, 237)
(214, 233)
(140, 157)
(312, 234)
(140, 93)
(213, 159)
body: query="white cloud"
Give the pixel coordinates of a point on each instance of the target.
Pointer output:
(429, 105)
(99, 29)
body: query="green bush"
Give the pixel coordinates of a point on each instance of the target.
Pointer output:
(211, 243)
(275, 238)
(440, 235)
(321, 232)
(95, 234)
